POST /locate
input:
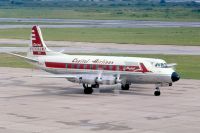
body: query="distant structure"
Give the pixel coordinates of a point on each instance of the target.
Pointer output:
(162, 1)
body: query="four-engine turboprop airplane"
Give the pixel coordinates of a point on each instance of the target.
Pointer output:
(92, 71)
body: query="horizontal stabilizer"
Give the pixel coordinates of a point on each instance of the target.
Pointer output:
(56, 76)
(24, 57)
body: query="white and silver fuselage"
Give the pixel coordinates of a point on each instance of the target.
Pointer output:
(129, 68)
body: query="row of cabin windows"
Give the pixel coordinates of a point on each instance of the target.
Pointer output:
(95, 67)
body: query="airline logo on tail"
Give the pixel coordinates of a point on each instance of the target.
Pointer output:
(38, 47)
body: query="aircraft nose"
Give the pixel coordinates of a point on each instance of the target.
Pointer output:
(175, 77)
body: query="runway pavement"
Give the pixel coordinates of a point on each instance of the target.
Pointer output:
(38, 105)
(83, 23)
(86, 47)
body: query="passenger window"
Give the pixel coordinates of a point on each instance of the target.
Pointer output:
(84, 66)
(107, 67)
(93, 67)
(100, 67)
(121, 68)
(78, 66)
(97, 67)
(88, 66)
(75, 66)
(114, 68)
(117, 68)
(104, 67)
(69, 65)
(110, 67)
(72, 65)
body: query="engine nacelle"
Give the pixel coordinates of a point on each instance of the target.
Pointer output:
(99, 80)
(117, 80)
(106, 80)
(86, 80)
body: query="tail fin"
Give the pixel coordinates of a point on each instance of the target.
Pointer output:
(37, 46)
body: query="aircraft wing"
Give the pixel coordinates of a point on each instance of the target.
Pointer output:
(24, 57)
(82, 78)
(57, 76)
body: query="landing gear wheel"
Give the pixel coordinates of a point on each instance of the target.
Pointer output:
(125, 87)
(157, 93)
(88, 90)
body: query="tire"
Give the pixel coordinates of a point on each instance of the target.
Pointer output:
(125, 87)
(88, 90)
(157, 93)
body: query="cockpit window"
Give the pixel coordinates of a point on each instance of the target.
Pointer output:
(161, 65)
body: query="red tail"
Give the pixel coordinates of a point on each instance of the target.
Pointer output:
(38, 46)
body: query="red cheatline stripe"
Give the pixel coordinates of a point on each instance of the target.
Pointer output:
(144, 69)
(55, 65)
(95, 66)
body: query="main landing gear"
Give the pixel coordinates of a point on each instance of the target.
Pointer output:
(157, 92)
(87, 89)
(125, 86)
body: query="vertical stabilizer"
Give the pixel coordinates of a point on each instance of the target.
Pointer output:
(37, 46)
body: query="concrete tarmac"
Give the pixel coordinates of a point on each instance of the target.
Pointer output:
(40, 105)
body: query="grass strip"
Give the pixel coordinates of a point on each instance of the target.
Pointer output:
(156, 36)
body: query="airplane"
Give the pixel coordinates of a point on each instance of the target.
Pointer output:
(93, 71)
